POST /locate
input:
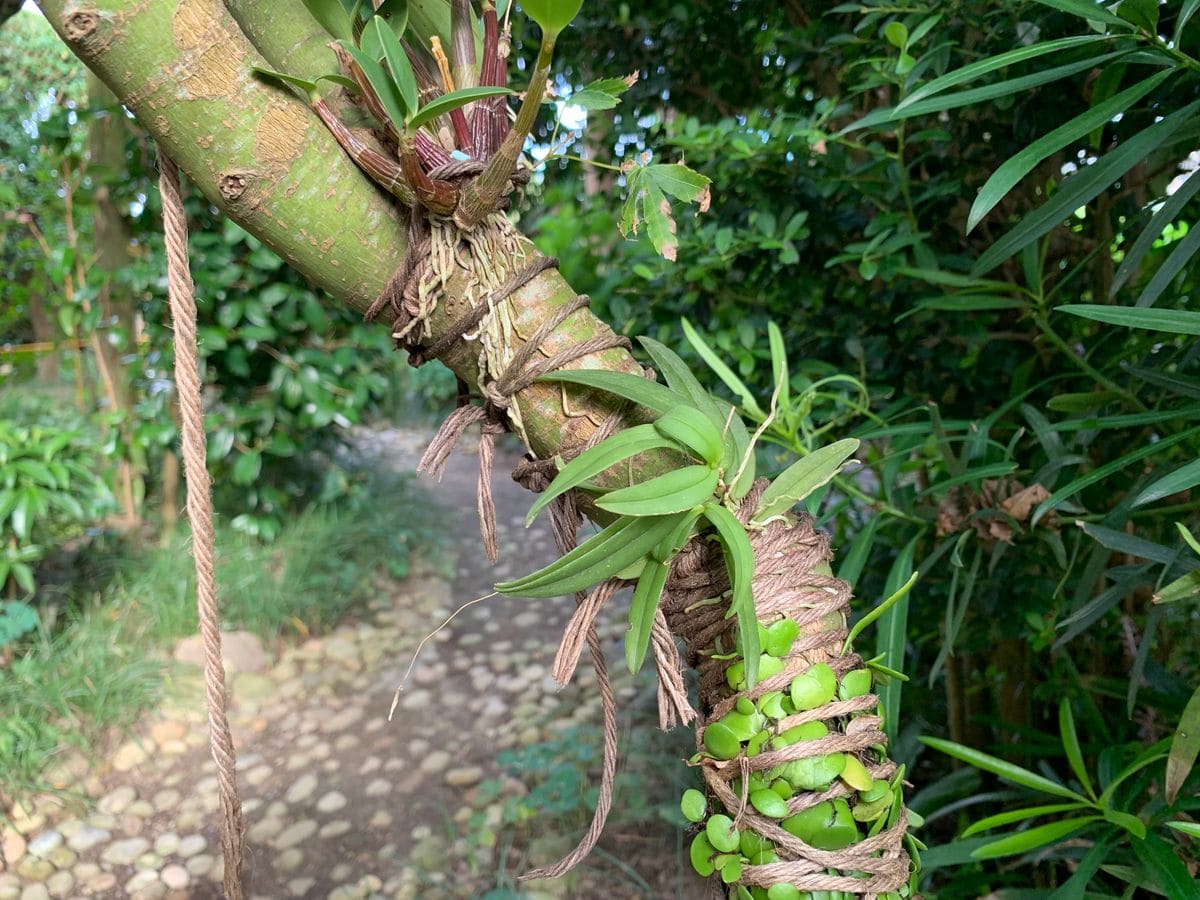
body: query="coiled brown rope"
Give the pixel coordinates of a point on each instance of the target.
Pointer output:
(199, 510)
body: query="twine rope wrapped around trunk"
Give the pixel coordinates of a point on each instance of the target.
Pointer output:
(199, 510)
(787, 554)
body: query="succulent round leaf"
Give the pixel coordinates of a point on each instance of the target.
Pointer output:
(721, 833)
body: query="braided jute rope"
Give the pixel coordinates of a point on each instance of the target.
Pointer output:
(200, 514)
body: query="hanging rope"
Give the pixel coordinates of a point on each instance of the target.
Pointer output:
(200, 515)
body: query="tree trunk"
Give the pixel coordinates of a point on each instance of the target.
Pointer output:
(49, 362)
(263, 157)
(113, 340)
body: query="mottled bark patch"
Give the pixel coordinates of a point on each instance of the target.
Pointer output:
(88, 30)
(279, 136)
(199, 25)
(193, 21)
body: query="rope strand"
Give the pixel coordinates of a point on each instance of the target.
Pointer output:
(199, 509)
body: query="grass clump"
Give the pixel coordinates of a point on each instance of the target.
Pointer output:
(104, 660)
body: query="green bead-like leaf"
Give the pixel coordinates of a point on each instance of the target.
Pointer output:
(720, 742)
(701, 854)
(721, 833)
(694, 805)
(769, 803)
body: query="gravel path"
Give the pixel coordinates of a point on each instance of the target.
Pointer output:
(340, 803)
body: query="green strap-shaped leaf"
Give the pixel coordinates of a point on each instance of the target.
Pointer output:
(672, 492)
(1031, 839)
(1183, 588)
(1189, 828)
(1098, 474)
(1084, 186)
(675, 541)
(452, 101)
(1018, 815)
(1185, 747)
(678, 376)
(980, 94)
(309, 87)
(1086, 9)
(599, 557)
(1004, 769)
(398, 64)
(722, 371)
(385, 89)
(1017, 167)
(779, 364)
(739, 561)
(1180, 256)
(694, 430)
(1176, 321)
(1185, 15)
(1070, 740)
(992, 63)
(1182, 479)
(632, 387)
(602, 457)
(1165, 867)
(1163, 216)
(803, 477)
(642, 609)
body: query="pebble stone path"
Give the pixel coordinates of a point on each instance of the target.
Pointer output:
(338, 802)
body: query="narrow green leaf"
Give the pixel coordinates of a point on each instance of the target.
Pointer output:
(1024, 841)
(803, 477)
(1165, 867)
(992, 470)
(1086, 9)
(602, 556)
(865, 622)
(1185, 746)
(891, 637)
(1126, 821)
(1163, 216)
(642, 608)
(1127, 543)
(739, 560)
(1018, 815)
(671, 492)
(1017, 167)
(956, 280)
(693, 430)
(452, 101)
(1176, 321)
(397, 62)
(779, 364)
(1003, 769)
(992, 63)
(1142, 13)
(1182, 479)
(1188, 538)
(309, 87)
(1185, 15)
(1075, 887)
(598, 459)
(1189, 828)
(385, 89)
(681, 380)
(979, 94)
(1082, 187)
(1070, 740)
(1180, 589)
(964, 303)
(722, 371)
(1176, 384)
(1100, 473)
(1180, 256)
(640, 390)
